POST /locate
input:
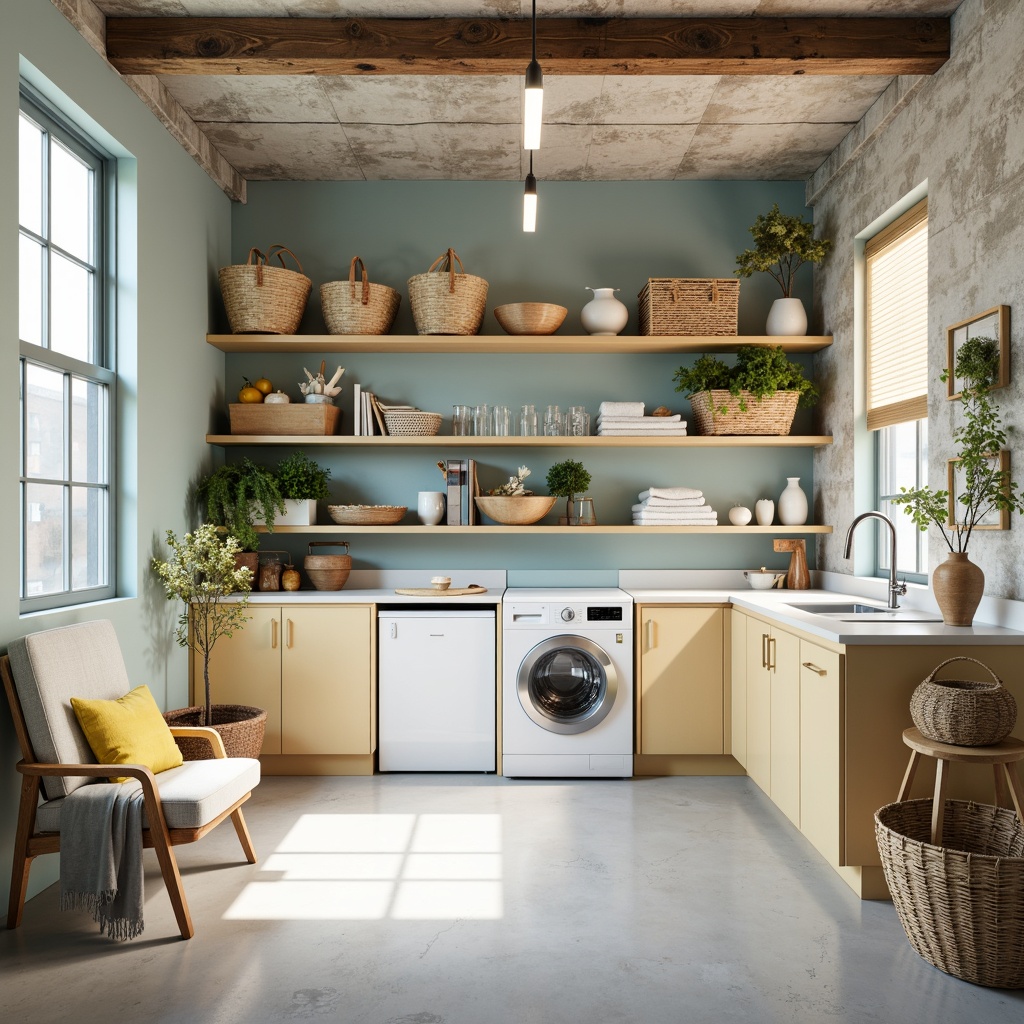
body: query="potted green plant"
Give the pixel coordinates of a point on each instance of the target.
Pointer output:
(234, 495)
(202, 573)
(302, 483)
(782, 244)
(759, 394)
(980, 485)
(570, 480)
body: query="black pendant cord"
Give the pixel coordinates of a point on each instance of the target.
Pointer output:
(533, 22)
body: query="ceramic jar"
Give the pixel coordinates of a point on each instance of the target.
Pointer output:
(739, 515)
(958, 585)
(793, 503)
(764, 511)
(430, 507)
(787, 316)
(604, 314)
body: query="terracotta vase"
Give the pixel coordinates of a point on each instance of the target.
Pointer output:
(958, 585)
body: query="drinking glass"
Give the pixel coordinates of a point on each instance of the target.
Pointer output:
(502, 421)
(461, 421)
(553, 423)
(528, 421)
(482, 420)
(578, 422)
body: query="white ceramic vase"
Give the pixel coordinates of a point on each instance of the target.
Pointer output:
(430, 507)
(739, 515)
(604, 314)
(787, 316)
(764, 511)
(793, 503)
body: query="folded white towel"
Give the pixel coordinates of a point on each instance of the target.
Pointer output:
(654, 515)
(621, 409)
(678, 430)
(684, 505)
(670, 492)
(639, 520)
(618, 420)
(648, 424)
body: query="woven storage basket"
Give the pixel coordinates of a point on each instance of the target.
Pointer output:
(261, 299)
(689, 305)
(367, 515)
(964, 712)
(961, 904)
(241, 728)
(327, 572)
(447, 303)
(351, 308)
(412, 422)
(772, 414)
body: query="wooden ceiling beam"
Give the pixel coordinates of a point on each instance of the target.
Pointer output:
(492, 46)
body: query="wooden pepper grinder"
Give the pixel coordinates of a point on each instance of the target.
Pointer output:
(797, 578)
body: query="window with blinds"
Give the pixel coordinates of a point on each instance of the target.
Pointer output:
(897, 320)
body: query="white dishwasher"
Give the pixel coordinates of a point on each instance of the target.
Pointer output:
(437, 690)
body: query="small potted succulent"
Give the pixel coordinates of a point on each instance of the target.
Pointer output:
(570, 480)
(302, 483)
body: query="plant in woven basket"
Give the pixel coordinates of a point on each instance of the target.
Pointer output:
(201, 573)
(566, 480)
(782, 244)
(231, 493)
(302, 478)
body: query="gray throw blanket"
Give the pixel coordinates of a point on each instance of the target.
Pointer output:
(101, 855)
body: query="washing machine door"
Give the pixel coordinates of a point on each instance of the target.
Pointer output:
(567, 684)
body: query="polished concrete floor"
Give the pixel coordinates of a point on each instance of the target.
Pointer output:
(434, 899)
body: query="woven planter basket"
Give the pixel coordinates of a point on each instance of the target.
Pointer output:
(689, 305)
(327, 572)
(772, 414)
(964, 712)
(351, 308)
(446, 301)
(241, 728)
(261, 299)
(961, 904)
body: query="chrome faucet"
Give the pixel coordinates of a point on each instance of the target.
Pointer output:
(896, 588)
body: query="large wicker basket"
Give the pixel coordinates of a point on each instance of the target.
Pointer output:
(719, 412)
(961, 904)
(964, 712)
(446, 301)
(241, 728)
(689, 305)
(261, 299)
(327, 572)
(358, 309)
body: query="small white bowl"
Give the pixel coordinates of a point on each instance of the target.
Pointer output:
(762, 579)
(440, 582)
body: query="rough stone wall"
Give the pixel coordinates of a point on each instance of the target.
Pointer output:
(962, 131)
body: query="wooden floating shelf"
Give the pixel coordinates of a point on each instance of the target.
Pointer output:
(514, 441)
(561, 531)
(508, 343)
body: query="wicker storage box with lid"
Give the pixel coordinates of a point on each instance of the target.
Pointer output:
(689, 306)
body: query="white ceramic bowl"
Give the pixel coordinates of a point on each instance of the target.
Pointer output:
(761, 579)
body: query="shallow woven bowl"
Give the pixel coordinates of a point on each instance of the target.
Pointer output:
(516, 509)
(530, 317)
(367, 515)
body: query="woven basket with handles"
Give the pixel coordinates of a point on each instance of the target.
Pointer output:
(353, 308)
(261, 299)
(445, 300)
(964, 712)
(689, 305)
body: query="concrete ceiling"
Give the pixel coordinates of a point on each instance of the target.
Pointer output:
(468, 127)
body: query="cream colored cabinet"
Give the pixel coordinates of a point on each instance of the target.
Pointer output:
(738, 724)
(311, 667)
(680, 691)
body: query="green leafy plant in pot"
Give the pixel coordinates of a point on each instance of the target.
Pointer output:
(782, 244)
(568, 480)
(983, 486)
(201, 573)
(302, 483)
(232, 494)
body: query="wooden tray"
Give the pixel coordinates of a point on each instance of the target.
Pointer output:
(434, 592)
(287, 418)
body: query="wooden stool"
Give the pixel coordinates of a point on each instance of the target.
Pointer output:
(1002, 756)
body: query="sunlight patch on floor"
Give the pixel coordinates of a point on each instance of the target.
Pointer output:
(375, 866)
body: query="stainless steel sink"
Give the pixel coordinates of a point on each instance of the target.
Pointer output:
(855, 612)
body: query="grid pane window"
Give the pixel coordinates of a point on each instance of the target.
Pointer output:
(66, 381)
(902, 462)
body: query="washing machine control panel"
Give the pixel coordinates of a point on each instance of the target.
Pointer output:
(598, 613)
(568, 614)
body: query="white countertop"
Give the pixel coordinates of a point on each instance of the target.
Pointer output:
(376, 595)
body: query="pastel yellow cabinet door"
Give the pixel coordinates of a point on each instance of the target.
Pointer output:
(326, 681)
(784, 655)
(759, 705)
(738, 639)
(245, 668)
(681, 684)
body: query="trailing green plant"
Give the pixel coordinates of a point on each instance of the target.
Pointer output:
(782, 244)
(230, 495)
(985, 486)
(201, 573)
(302, 478)
(759, 371)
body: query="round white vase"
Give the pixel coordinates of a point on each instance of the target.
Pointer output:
(764, 511)
(793, 503)
(787, 316)
(430, 507)
(739, 515)
(604, 314)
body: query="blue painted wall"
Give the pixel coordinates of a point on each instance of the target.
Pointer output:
(605, 234)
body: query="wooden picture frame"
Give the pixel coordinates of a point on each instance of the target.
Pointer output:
(993, 323)
(997, 519)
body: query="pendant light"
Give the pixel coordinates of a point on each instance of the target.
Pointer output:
(534, 104)
(530, 200)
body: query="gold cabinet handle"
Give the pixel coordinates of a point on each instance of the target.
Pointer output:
(814, 668)
(273, 634)
(650, 634)
(771, 654)
(764, 650)
(291, 633)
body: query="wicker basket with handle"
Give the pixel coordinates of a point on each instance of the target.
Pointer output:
(261, 299)
(446, 301)
(964, 712)
(327, 572)
(772, 414)
(351, 308)
(689, 305)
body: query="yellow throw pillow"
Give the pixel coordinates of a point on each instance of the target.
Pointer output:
(129, 730)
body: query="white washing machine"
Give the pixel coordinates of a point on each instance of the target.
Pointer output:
(567, 683)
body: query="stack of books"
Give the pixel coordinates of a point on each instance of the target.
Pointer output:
(368, 413)
(462, 489)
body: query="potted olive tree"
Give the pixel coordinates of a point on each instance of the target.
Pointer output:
(202, 573)
(570, 480)
(302, 483)
(782, 244)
